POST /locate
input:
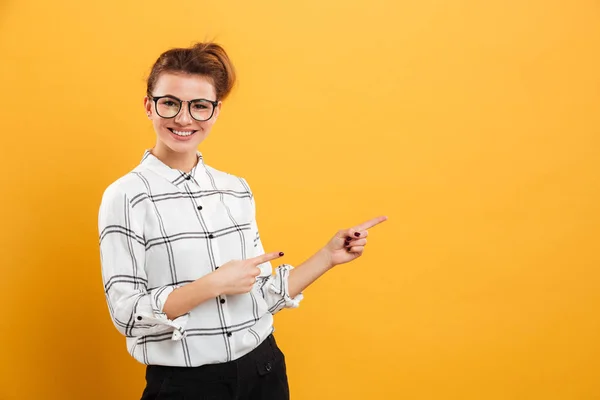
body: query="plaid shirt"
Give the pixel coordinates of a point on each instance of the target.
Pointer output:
(161, 228)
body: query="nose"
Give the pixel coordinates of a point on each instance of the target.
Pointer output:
(184, 117)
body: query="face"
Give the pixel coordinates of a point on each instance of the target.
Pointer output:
(181, 134)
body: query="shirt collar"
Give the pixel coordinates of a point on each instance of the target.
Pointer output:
(175, 176)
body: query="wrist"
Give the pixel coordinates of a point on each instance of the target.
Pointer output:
(324, 255)
(211, 284)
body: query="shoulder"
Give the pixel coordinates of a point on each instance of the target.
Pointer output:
(228, 180)
(124, 189)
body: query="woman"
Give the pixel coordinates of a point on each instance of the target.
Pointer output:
(186, 278)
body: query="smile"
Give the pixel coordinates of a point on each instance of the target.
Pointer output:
(182, 133)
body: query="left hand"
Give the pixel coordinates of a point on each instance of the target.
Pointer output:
(349, 244)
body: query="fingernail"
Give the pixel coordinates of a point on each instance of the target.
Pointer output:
(357, 234)
(281, 254)
(348, 239)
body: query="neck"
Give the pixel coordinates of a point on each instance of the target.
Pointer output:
(181, 161)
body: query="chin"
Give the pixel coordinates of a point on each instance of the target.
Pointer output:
(183, 148)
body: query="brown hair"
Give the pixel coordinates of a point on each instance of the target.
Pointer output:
(206, 59)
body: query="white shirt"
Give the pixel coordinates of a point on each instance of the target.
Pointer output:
(161, 228)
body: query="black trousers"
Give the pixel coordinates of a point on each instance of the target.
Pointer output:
(259, 375)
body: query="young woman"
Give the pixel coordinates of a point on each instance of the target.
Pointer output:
(185, 274)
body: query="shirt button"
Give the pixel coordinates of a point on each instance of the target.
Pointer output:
(139, 318)
(268, 367)
(188, 177)
(199, 207)
(222, 301)
(228, 334)
(211, 236)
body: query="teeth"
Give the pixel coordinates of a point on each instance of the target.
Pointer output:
(182, 133)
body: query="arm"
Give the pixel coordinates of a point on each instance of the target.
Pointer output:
(308, 272)
(183, 299)
(233, 277)
(345, 246)
(284, 289)
(135, 309)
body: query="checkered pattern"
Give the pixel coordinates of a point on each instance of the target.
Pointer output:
(161, 228)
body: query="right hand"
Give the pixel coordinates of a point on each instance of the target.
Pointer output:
(239, 276)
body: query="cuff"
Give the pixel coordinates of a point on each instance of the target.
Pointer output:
(279, 286)
(158, 298)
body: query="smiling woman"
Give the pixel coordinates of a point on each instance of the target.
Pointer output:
(200, 77)
(185, 274)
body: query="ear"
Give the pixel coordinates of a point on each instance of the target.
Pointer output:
(217, 110)
(148, 106)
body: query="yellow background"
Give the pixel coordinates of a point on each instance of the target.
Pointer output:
(473, 125)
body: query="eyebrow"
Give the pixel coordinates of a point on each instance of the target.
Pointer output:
(177, 98)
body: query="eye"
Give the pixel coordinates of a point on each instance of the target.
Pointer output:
(168, 102)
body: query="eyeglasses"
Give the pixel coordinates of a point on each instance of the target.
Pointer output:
(170, 106)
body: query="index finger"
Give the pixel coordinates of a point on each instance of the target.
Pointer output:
(371, 223)
(256, 261)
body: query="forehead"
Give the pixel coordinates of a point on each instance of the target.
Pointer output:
(184, 86)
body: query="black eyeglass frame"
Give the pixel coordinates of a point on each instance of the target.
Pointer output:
(156, 98)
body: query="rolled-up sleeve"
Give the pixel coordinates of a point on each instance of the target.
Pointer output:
(134, 310)
(272, 287)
